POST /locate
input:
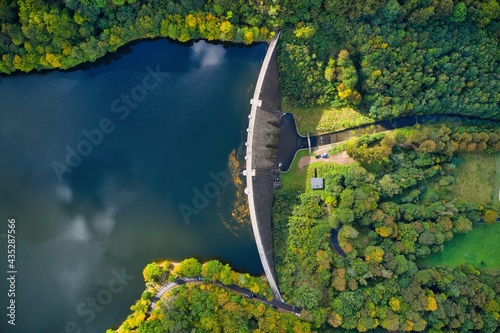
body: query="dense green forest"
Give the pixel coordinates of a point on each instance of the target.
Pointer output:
(385, 57)
(397, 58)
(391, 208)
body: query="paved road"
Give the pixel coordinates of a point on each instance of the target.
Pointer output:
(276, 304)
(335, 241)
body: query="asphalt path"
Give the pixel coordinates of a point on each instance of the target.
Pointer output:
(276, 304)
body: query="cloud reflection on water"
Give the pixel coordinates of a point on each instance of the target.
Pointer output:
(207, 54)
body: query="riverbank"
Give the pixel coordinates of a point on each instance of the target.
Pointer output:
(78, 42)
(207, 296)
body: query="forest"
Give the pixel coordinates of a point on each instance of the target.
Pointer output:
(205, 307)
(383, 57)
(391, 208)
(413, 58)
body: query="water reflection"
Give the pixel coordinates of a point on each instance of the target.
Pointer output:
(118, 208)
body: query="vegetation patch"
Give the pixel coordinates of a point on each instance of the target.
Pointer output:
(496, 185)
(298, 178)
(395, 58)
(475, 178)
(480, 247)
(393, 216)
(324, 118)
(295, 177)
(205, 306)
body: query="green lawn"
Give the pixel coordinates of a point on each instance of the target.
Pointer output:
(298, 179)
(295, 179)
(475, 179)
(496, 188)
(480, 247)
(324, 119)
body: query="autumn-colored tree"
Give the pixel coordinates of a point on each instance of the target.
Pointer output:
(490, 216)
(431, 301)
(383, 231)
(428, 146)
(374, 253)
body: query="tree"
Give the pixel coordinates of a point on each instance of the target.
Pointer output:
(463, 224)
(395, 304)
(388, 187)
(53, 60)
(152, 272)
(428, 146)
(384, 231)
(391, 10)
(225, 275)
(459, 13)
(189, 267)
(308, 297)
(335, 319)
(490, 216)
(431, 302)
(211, 270)
(339, 281)
(374, 253)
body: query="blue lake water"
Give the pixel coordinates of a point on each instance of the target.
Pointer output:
(95, 163)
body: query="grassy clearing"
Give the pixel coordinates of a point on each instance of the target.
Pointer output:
(480, 247)
(295, 178)
(324, 119)
(298, 179)
(475, 179)
(496, 186)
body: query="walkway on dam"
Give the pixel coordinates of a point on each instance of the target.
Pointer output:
(261, 160)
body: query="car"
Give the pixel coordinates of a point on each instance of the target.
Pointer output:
(200, 278)
(297, 314)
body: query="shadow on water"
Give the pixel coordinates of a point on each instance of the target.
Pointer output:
(290, 141)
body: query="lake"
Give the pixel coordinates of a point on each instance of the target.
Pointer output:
(112, 165)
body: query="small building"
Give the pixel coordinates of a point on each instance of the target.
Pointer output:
(316, 183)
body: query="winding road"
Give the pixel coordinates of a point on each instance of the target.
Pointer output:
(276, 304)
